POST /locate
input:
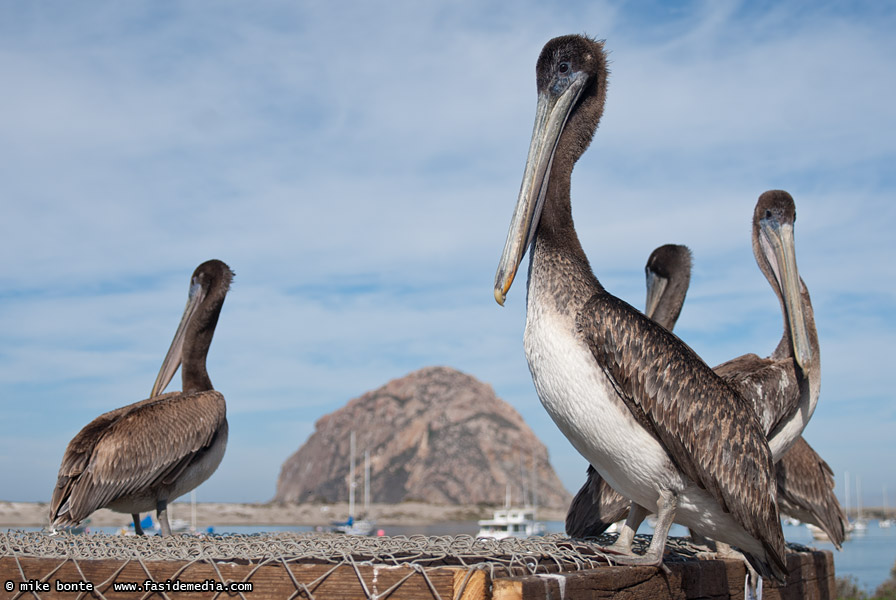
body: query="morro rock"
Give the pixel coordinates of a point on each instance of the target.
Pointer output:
(436, 435)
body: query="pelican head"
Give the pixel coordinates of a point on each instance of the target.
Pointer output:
(773, 246)
(571, 77)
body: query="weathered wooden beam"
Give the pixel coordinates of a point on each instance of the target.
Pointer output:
(811, 577)
(59, 578)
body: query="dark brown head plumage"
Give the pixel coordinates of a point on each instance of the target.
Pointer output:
(560, 57)
(668, 273)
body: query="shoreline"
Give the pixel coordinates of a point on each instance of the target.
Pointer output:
(34, 514)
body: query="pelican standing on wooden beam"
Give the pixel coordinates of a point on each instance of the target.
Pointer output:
(635, 401)
(139, 457)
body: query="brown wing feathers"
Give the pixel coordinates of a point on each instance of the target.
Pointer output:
(652, 368)
(118, 452)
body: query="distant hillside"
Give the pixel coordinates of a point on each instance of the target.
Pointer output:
(436, 435)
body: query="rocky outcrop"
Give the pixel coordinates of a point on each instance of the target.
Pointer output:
(436, 435)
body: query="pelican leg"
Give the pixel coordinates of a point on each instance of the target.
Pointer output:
(665, 514)
(137, 529)
(636, 516)
(666, 506)
(162, 516)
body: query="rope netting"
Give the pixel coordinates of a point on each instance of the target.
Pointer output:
(309, 561)
(420, 555)
(513, 556)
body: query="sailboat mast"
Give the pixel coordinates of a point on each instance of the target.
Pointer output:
(533, 482)
(858, 498)
(351, 476)
(366, 482)
(846, 491)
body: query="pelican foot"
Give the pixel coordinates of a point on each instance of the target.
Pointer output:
(630, 559)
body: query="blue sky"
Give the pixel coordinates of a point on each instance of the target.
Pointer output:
(357, 163)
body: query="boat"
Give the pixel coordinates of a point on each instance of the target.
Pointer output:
(886, 521)
(819, 535)
(511, 522)
(352, 526)
(860, 526)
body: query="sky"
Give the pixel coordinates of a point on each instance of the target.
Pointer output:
(357, 164)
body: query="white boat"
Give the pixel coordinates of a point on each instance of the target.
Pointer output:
(352, 526)
(511, 522)
(860, 525)
(819, 535)
(886, 522)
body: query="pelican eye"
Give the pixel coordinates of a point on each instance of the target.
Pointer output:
(768, 214)
(563, 67)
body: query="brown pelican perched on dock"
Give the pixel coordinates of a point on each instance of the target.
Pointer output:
(783, 387)
(139, 457)
(805, 481)
(633, 399)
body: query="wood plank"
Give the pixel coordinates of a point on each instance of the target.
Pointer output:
(811, 577)
(470, 584)
(508, 588)
(270, 579)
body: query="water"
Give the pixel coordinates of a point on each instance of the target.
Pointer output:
(867, 557)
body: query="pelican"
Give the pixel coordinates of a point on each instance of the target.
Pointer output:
(784, 387)
(805, 481)
(633, 399)
(139, 457)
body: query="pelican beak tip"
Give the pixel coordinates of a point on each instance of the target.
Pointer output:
(499, 296)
